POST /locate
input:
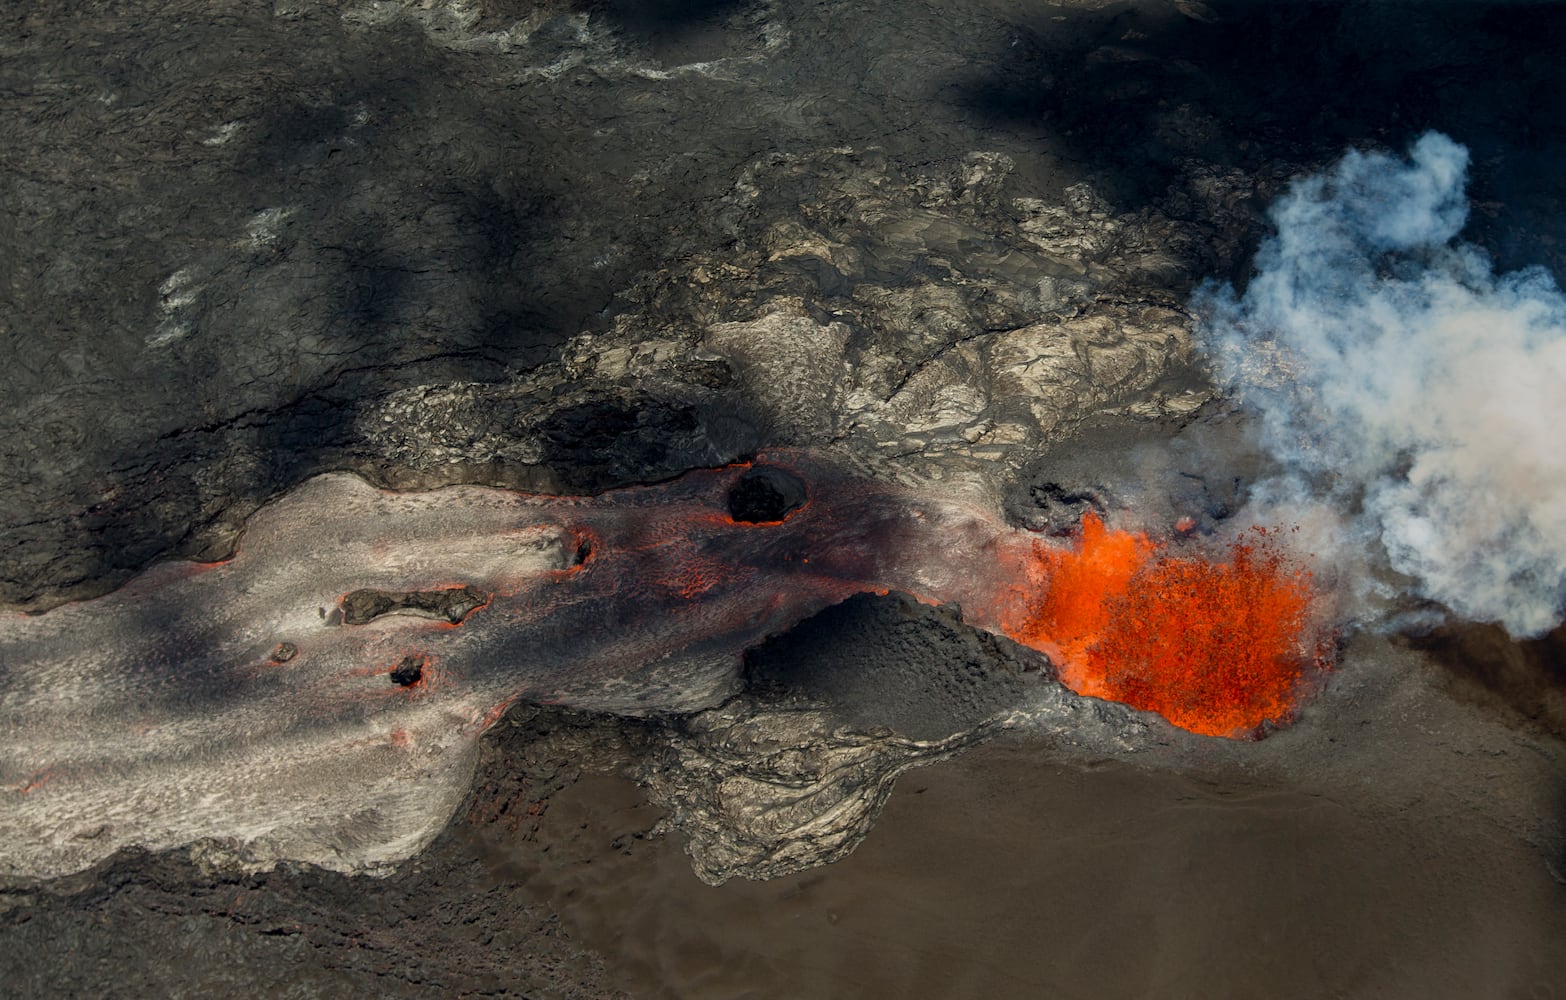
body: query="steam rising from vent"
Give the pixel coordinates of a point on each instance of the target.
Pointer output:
(1399, 378)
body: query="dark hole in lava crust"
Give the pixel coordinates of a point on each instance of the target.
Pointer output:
(409, 672)
(766, 494)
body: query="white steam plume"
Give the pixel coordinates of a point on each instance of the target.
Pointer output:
(1399, 378)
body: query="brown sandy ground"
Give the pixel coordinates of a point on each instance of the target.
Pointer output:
(1004, 874)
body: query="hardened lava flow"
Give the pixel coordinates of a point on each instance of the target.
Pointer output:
(318, 695)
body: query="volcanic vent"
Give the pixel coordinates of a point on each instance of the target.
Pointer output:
(1223, 645)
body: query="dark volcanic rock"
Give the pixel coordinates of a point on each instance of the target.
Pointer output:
(229, 225)
(1485, 664)
(1158, 475)
(599, 444)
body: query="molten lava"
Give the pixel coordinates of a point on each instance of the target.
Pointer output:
(1220, 647)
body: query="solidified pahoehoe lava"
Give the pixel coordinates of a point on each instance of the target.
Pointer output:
(248, 700)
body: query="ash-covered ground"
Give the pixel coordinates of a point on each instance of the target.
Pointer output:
(566, 247)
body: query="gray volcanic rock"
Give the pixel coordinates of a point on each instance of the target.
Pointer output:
(228, 226)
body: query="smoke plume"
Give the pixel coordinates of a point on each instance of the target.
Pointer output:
(1398, 378)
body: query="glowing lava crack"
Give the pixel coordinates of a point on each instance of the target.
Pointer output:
(318, 696)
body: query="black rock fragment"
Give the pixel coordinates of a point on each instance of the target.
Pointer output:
(766, 494)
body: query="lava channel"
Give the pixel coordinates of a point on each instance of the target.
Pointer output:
(343, 663)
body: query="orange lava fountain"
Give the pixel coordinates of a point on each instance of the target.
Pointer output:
(1220, 647)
